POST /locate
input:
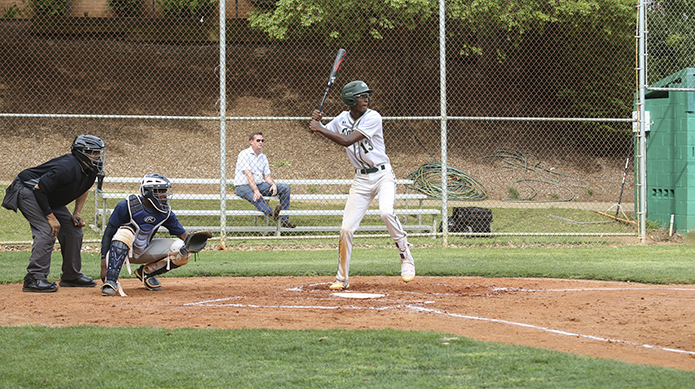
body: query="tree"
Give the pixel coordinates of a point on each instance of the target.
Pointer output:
(671, 38)
(339, 21)
(348, 21)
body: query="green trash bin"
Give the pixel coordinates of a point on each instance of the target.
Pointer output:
(671, 152)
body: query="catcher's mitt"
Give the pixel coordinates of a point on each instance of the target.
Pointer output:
(197, 240)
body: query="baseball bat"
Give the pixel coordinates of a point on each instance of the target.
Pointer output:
(334, 74)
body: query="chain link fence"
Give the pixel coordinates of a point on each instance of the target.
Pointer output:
(528, 105)
(671, 41)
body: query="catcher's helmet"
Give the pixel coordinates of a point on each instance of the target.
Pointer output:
(353, 89)
(156, 188)
(90, 150)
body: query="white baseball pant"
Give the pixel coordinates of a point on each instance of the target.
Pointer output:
(364, 188)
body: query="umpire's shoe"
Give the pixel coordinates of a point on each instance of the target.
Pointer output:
(82, 281)
(31, 284)
(151, 282)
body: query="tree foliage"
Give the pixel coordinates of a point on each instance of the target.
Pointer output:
(340, 21)
(49, 7)
(671, 38)
(348, 21)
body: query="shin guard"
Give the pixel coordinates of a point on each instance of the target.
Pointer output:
(116, 256)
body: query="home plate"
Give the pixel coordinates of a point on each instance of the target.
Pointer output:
(353, 295)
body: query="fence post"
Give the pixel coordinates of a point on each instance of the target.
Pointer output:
(442, 101)
(642, 154)
(223, 126)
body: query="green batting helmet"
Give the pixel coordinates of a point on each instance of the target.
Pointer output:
(353, 89)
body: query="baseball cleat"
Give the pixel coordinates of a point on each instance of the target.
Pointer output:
(408, 270)
(109, 288)
(339, 285)
(151, 282)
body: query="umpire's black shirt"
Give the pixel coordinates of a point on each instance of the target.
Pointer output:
(61, 180)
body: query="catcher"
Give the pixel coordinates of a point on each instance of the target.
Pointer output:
(128, 237)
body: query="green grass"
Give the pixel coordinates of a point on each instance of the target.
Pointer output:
(658, 264)
(513, 193)
(257, 358)
(78, 357)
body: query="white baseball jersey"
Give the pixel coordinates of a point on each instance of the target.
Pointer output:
(368, 152)
(248, 160)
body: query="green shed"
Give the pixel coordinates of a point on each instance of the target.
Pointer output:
(671, 152)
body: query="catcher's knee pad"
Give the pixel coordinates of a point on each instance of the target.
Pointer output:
(126, 235)
(177, 257)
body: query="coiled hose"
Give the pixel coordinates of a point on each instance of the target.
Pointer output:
(427, 179)
(513, 159)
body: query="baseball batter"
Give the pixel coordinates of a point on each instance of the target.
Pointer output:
(360, 131)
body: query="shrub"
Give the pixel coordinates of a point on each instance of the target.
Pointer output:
(49, 7)
(11, 12)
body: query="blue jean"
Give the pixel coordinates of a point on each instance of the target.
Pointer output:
(245, 192)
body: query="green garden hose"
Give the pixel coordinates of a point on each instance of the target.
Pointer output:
(513, 159)
(427, 179)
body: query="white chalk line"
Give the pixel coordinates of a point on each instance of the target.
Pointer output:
(545, 329)
(602, 289)
(212, 303)
(216, 303)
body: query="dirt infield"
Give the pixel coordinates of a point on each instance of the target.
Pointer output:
(637, 323)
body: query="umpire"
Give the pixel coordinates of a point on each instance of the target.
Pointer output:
(42, 194)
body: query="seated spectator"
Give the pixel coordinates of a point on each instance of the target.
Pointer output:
(252, 181)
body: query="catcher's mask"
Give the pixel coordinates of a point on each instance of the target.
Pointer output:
(156, 188)
(89, 149)
(353, 89)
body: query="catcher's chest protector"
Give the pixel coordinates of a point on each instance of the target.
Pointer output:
(145, 223)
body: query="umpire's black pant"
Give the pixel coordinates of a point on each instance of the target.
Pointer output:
(70, 238)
